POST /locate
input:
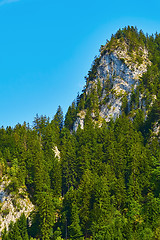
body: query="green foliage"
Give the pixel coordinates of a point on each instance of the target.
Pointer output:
(22, 225)
(14, 233)
(58, 118)
(93, 72)
(106, 182)
(125, 105)
(70, 117)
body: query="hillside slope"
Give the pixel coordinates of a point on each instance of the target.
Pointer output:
(116, 77)
(96, 173)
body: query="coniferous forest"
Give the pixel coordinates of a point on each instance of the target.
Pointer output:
(101, 181)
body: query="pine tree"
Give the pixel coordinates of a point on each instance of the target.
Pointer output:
(14, 233)
(84, 196)
(57, 125)
(70, 117)
(69, 161)
(74, 229)
(22, 225)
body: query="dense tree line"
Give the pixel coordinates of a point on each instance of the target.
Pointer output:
(105, 185)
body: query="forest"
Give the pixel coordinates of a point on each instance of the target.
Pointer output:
(105, 182)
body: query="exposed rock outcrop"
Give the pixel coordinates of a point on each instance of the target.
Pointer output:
(12, 206)
(57, 152)
(122, 73)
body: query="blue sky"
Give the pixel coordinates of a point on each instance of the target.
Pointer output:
(47, 47)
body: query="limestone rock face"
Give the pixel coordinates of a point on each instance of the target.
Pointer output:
(156, 131)
(123, 74)
(79, 121)
(12, 206)
(57, 152)
(124, 78)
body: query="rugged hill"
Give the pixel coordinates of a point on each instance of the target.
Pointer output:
(116, 77)
(97, 175)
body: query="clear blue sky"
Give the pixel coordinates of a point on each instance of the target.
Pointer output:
(47, 47)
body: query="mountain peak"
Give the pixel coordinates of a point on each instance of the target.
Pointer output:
(115, 75)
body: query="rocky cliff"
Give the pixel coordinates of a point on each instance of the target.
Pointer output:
(12, 205)
(118, 72)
